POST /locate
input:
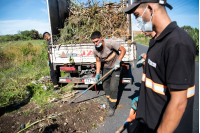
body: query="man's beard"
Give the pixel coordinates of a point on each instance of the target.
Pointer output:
(99, 48)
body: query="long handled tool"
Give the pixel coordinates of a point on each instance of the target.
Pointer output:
(92, 85)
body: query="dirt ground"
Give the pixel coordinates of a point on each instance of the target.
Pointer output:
(59, 118)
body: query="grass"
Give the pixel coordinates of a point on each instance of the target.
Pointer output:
(17, 43)
(22, 62)
(27, 112)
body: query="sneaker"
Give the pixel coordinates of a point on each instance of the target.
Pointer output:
(111, 112)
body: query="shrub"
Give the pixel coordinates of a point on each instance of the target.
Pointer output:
(16, 37)
(22, 35)
(26, 49)
(33, 34)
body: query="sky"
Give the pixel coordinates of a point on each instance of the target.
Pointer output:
(20, 15)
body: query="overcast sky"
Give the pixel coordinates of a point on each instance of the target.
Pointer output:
(22, 15)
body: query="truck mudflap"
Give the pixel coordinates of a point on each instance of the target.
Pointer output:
(91, 80)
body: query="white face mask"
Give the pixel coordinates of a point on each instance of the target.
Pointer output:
(100, 46)
(144, 26)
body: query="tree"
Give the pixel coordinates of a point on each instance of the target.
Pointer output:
(194, 34)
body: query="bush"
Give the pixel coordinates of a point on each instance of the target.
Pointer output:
(16, 37)
(33, 34)
(22, 35)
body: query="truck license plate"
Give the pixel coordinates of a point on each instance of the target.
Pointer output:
(90, 81)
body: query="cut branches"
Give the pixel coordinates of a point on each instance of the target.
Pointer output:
(84, 19)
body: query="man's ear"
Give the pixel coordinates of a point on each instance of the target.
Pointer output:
(101, 38)
(151, 7)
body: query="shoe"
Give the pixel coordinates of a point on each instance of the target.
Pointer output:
(111, 112)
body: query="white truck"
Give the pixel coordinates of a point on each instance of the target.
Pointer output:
(77, 59)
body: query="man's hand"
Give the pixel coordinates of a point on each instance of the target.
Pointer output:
(141, 60)
(134, 103)
(117, 64)
(141, 56)
(140, 63)
(97, 77)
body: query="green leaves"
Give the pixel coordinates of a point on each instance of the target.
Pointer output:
(194, 34)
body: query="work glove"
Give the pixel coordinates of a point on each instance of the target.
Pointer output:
(98, 77)
(141, 56)
(140, 63)
(117, 64)
(49, 63)
(134, 103)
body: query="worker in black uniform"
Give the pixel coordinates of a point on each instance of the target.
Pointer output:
(55, 74)
(107, 51)
(168, 85)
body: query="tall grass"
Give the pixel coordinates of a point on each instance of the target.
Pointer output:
(19, 65)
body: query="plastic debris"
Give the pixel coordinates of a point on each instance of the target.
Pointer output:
(33, 82)
(103, 106)
(44, 87)
(22, 126)
(44, 79)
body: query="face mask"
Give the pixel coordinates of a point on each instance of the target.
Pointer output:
(100, 46)
(144, 26)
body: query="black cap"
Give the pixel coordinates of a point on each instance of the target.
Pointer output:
(136, 3)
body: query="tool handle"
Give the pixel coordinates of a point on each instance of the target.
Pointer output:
(92, 85)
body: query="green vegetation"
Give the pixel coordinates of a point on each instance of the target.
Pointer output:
(27, 112)
(142, 39)
(194, 33)
(17, 43)
(197, 58)
(22, 35)
(22, 63)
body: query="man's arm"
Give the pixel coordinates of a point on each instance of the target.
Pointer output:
(98, 65)
(123, 51)
(174, 111)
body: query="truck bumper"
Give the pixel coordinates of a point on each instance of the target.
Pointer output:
(82, 80)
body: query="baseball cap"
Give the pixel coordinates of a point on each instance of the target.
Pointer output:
(136, 3)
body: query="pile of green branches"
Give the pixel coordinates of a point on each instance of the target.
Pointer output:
(84, 19)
